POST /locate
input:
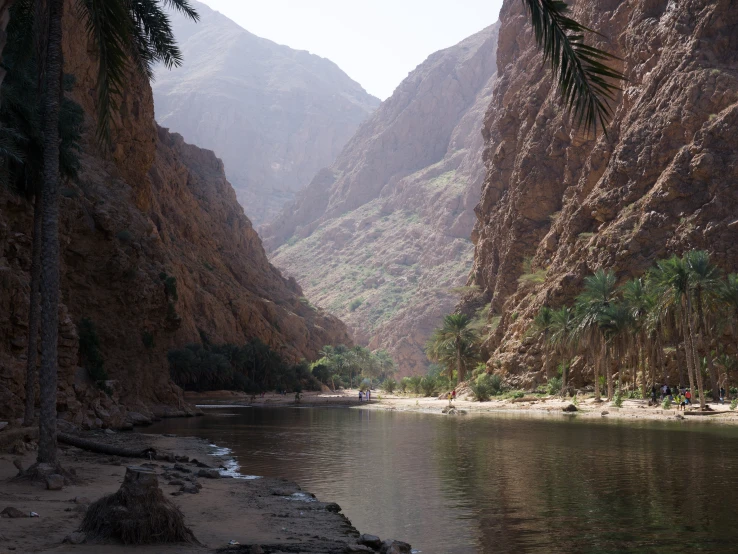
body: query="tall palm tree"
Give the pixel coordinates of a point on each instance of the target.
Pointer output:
(121, 30)
(542, 325)
(617, 325)
(455, 335)
(640, 302)
(563, 338)
(674, 280)
(598, 293)
(585, 80)
(706, 284)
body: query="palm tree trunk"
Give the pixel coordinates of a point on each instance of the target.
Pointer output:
(696, 365)
(596, 363)
(47, 452)
(33, 314)
(608, 371)
(459, 370)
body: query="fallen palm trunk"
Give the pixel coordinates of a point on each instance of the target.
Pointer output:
(137, 514)
(102, 448)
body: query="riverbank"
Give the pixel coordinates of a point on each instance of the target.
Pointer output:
(533, 405)
(261, 515)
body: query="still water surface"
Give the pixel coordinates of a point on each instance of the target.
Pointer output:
(497, 483)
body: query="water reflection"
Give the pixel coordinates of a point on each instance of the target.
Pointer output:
(498, 484)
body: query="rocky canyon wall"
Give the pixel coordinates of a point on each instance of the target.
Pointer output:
(664, 179)
(155, 207)
(273, 114)
(381, 237)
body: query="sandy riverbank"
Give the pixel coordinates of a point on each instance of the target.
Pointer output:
(528, 405)
(272, 513)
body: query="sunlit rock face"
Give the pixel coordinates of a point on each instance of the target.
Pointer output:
(663, 180)
(381, 237)
(274, 115)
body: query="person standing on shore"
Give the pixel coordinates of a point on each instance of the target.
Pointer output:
(453, 395)
(688, 397)
(361, 396)
(722, 395)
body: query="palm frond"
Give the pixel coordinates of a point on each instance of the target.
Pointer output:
(184, 7)
(584, 77)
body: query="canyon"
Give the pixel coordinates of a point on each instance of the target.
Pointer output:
(381, 237)
(560, 204)
(153, 212)
(274, 115)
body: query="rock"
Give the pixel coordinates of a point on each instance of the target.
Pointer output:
(604, 413)
(333, 507)
(189, 488)
(75, 538)
(395, 547)
(209, 473)
(54, 482)
(81, 500)
(183, 469)
(570, 408)
(176, 482)
(359, 548)
(18, 463)
(11, 512)
(372, 541)
(3, 425)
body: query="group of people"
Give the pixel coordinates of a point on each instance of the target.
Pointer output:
(365, 396)
(681, 395)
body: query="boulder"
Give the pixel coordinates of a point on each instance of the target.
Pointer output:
(189, 488)
(395, 547)
(75, 538)
(12, 513)
(372, 541)
(570, 408)
(209, 473)
(54, 482)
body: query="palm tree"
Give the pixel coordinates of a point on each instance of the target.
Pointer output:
(706, 285)
(599, 292)
(640, 302)
(673, 278)
(616, 323)
(542, 324)
(121, 30)
(563, 337)
(455, 335)
(584, 78)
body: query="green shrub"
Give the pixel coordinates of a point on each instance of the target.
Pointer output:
(554, 385)
(404, 384)
(389, 386)
(428, 385)
(170, 286)
(485, 386)
(89, 352)
(124, 235)
(734, 404)
(618, 402)
(518, 394)
(147, 337)
(666, 404)
(415, 384)
(355, 303)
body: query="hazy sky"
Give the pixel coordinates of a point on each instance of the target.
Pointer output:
(376, 42)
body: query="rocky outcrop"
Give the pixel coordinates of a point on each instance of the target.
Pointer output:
(153, 209)
(381, 237)
(662, 181)
(273, 114)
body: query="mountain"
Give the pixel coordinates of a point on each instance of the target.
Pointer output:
(382, 236)
(156, 211)
(561, 204)
(274, 115)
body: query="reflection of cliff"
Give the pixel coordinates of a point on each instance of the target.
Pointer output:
(158, 206)
(662, 181)
(274, 115)
(381, 236)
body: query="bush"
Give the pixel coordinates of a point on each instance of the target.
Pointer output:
(89, 352)
(415, 381)
(404, 384)
(428, 386)
(518, 394)
(147, 337)
(389, 386)
(355, 303)
(666, 404)
(734, 404)
(618, 402)
(365, 385)
(554, 385)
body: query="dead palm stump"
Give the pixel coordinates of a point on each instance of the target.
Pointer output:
(137, 514)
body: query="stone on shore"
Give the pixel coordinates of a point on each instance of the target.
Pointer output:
(209, 473)
(570, 408)
(395, 547)
(12, 513)
(54, 482)
(372, 541)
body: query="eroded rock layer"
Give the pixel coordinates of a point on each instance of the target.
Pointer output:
(664, 179)
(382, 236)
(155, 208)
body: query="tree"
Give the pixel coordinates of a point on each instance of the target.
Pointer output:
(639, 302)
(455, 337)
(542, 324)
(563, 336)
(584, 78)
(617, 325)
(121, 30)
(599, 292)
(706, 285)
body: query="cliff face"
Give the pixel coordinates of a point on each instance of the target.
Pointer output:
(381, 237)
(156, 205)
(664, 180)
(274, 115)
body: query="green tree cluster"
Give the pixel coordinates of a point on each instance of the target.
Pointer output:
(683, 303)
(341, 366)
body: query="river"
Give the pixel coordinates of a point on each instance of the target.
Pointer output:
(497, 483)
